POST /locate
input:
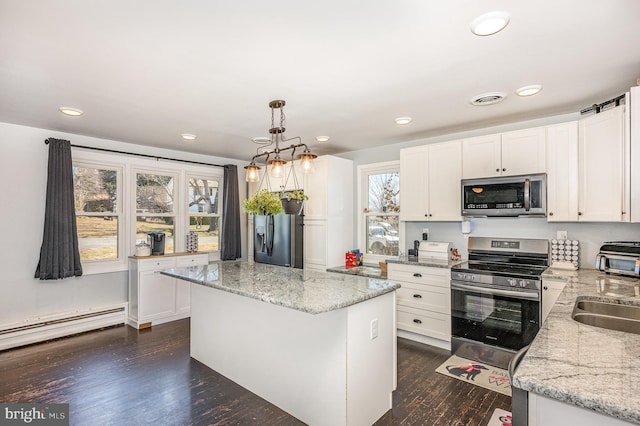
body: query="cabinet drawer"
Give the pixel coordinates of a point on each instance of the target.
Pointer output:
(431, 298)
(195, 260)
(419, 274)
(432, 324)
(157, 263)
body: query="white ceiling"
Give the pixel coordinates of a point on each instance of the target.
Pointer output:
(146, 71)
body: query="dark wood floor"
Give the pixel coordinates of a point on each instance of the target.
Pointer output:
(122, 376)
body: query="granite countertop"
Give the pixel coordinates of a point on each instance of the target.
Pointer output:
(578, 364)
(362, 271)
(434, 263)
(307, 291)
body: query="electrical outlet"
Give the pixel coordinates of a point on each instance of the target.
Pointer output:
(374, 328)
(561, 235)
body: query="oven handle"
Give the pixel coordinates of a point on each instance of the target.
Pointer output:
(517, 294)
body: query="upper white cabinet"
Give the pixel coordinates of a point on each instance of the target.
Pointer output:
(430, 176)
(508, 154)
(562, 172)
(603, 167)
(634, 141)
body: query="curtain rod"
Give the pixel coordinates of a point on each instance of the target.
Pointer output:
(46, 142)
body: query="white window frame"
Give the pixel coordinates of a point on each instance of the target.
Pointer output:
(363, 200)
(90, 267)
(129, 165)
(213, 255)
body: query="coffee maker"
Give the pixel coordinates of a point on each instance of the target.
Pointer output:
(156, 241)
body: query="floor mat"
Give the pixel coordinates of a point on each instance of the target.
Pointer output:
(476, 373)
(500, 418)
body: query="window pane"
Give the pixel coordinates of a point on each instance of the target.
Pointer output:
(156, 224)
(94, 189)
(384, 193)
(382, 235)
(208, 229)
(97, 237)
(203, 196)
(154, 193)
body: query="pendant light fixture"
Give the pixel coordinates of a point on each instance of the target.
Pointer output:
(277, 163)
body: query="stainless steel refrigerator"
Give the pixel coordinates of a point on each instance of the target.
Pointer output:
(278, 239)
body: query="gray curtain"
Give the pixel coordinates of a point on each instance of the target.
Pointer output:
(59, 253)
(230, 244)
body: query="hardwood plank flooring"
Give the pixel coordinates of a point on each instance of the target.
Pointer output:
(123, 376)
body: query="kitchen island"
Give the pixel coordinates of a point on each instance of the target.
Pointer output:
(319, 345)
(580, 374)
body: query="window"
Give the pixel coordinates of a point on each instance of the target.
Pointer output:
(204, 211)
(155, 208)
(97, 190)
(379, 187)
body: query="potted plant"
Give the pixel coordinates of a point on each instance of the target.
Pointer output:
(263, 203)
(293, 201)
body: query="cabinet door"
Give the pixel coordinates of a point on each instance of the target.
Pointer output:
(414, 183)
(445, 172)
(551, 290)
(157, 295)
(523, 152)
(601, 167)
(481, 157)
(315, 245)
(562, 172)
(315, 186)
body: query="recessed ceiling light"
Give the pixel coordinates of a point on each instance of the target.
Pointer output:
(188, 137)
(261, 140)
(488, 98)
(490, 23)
(322, 138)
(74, 112)
(529, 90)
(403, 120)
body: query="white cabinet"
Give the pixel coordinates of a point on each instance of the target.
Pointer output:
(431, 175)
(508, 154)
(562, 172)
(328, 213)
(424, 300)
(603, 168)
(551, 290)
(544, 411)
(155, 298)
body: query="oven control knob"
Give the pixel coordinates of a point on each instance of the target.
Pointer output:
(523, 283)
(512, 282)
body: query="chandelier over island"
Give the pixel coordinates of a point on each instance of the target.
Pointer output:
(276, 164)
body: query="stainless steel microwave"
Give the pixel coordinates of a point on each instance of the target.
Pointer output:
(505, 196)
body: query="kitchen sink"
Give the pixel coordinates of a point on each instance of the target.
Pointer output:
(612, 316)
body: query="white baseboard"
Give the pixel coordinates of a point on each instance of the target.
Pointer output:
(59, 325)
(425, 339)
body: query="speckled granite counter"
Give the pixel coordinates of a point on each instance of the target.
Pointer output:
(587, 366)
(433, 263)
(361, 271)
(306, 291)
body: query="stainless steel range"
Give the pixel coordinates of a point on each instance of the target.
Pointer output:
(496, 298)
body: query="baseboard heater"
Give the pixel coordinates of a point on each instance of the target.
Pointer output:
(59, 325)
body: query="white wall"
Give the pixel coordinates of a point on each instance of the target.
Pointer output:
(590, 235)
(23, 169)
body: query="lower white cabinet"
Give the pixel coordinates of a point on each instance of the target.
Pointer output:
(424, 300)
(551, 290)
(155, 298)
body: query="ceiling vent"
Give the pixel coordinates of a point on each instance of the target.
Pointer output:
(488, 98)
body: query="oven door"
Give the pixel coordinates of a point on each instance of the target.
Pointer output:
(499, 317)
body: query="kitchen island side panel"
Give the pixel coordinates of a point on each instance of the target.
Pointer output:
(295, 360)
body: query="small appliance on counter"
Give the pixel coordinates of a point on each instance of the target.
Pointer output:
(156, 241)
(620, 258)
(143, 249)
(434, 250)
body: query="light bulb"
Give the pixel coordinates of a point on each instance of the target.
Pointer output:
(252, 175)
(277, 170)
(306, 165)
